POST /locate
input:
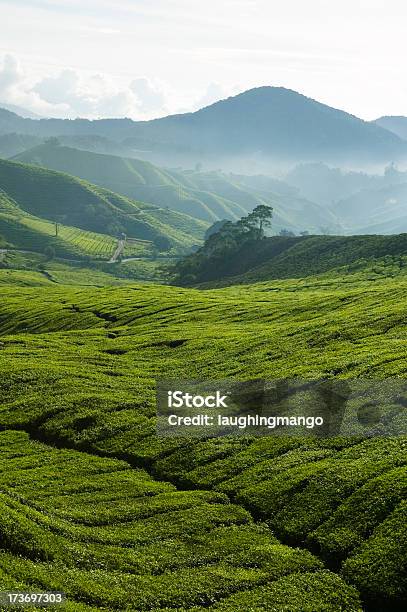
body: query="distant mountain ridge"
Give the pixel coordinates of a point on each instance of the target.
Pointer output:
(265, 122)
(19, 110)
(397, 125)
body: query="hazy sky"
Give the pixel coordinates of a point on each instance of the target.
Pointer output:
(148, 58)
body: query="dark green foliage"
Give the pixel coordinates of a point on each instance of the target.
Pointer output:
(357, 517)
(125, 539)
(162, 243)
(215, 227)
(316, 592)
(302, 256)
(378, 568)
(49, 252)
(223, 245)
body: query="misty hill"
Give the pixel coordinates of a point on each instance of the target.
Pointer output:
(13, 144)
(208, 196)
(117, 129)
(56, 196)
(137, 179)
(276, 123)
(397, 125)
(298, 257)
(267, 122)
(327, 185)
(381, 211)
(19, 110)
(26, 232)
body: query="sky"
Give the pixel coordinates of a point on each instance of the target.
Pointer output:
(149, 58)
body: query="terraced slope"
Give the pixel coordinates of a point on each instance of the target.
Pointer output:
(137, 179)
(208, 196)
(30, 233)
(166, 548)
(78, 370)
(55, 196)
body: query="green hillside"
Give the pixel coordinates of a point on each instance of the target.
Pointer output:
(56, 196)
(133, 178)
(96, 505)
(26, 232)
(281, 257)
(30, 233)
(208, 196)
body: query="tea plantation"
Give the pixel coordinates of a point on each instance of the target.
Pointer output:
(31, 233)
(96, 505)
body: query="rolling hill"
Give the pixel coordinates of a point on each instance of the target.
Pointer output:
(135, 179)
(397, 125)
(380, 211)
(270, 123)
(55, 196)
(95, 504)
(208, 196)
(281, 257)
(13, 144)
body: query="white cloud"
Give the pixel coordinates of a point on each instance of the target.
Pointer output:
(213, 93)
(59, 89)
(347, 54)
(10, 75)
(149, 95)
(70, 93)
(98, 30)
(94, 96)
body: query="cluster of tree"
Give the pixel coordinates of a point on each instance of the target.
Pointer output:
(289, 233)
(223, 240)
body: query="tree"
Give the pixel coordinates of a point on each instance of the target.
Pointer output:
(49, 252)
(53, 141)
(221, 246)
(162, 243)
(258, 219)
(215, 227)
(286, 232)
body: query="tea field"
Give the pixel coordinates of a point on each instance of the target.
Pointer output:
(34, 234)
(96, 505)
